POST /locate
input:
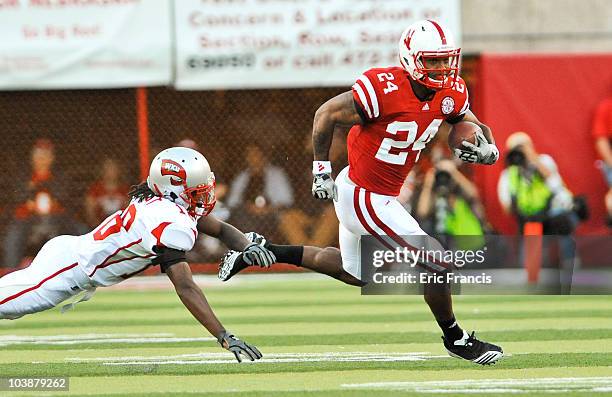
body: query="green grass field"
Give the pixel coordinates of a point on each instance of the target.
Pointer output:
(318, 337)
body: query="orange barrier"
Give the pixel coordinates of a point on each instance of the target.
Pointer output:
(532, 232)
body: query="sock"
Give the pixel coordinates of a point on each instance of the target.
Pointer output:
(291, 254)
(452, 331)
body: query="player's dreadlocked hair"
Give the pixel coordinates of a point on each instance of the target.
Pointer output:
(141, 192)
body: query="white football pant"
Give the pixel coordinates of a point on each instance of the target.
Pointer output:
(53, 277)
(362, 212)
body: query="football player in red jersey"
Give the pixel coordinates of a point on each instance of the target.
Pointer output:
(393, 113)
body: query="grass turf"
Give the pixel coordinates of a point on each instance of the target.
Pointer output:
(320, 339)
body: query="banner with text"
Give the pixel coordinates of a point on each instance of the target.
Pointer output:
(85, 44)
(279, 43)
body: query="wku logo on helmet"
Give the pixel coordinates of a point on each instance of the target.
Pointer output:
(169, 167)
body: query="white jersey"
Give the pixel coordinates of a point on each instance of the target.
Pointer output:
(122, 245)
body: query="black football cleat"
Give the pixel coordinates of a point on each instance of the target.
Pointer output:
(474, 350)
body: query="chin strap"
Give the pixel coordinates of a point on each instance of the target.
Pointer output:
(176, 199)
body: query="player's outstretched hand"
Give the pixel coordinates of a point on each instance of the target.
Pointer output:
(324, 187)
(483, 153)
(255, 254)
(239, 347)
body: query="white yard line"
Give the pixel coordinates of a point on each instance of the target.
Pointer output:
(510, 386)
(218, 358)
(7, 340)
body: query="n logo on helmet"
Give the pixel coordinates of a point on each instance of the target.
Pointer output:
(409, 38)
(169, 167)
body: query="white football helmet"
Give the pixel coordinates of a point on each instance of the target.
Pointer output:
(422, 48)
(183, 176)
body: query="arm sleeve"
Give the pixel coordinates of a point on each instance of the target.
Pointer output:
(366, 96)
(167, 257)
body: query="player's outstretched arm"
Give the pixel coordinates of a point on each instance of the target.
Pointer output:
(192, 297)
(194, 300)
(235, 240)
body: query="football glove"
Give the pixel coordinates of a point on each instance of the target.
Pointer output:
(255, 254)
(324, 187)
(238, 347)
(483, 153)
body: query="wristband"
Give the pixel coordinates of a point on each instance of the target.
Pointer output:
(222, 337)
(321, 167)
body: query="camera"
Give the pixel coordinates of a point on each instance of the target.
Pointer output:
(581, 207)
(442, 183)
(516, 157)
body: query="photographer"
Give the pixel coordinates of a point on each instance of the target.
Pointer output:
(449, 206)
(532, 189)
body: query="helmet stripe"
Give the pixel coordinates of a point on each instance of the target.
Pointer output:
(440, 31)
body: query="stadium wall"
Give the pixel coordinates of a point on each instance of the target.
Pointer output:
(553, 98)
(536, 26)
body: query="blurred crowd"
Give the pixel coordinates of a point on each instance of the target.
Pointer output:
(261, 196)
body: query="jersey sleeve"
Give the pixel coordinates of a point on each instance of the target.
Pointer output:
(177, 236)
(367, 95)
(461, 100)
(171, 230)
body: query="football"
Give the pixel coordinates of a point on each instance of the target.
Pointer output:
(462, 131)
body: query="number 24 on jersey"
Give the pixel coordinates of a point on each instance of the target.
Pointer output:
(382, 77)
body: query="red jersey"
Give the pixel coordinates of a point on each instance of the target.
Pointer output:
(602, 123)
(398, 126)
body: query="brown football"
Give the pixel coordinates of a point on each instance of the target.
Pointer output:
(462, 131)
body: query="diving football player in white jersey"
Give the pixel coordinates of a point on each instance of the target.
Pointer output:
(158, 227)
